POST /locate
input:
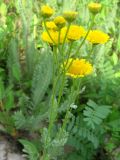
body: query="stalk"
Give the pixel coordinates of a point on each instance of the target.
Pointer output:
(90, 27)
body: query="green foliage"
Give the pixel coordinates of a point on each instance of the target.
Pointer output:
(7, 121)
(6, 97)
(95, 114)
(1, 89)
(13, 61)
(54, 146)
(42, 77)
(25, 122)
(55, 116)
(20, 120)
(9, 99)
(79, 130)
(30, 149)
(31, 58)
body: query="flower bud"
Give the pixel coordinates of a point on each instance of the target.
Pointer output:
(46, 11)
(50, 25)
(94, 7)
(60, 22)
(70, 16)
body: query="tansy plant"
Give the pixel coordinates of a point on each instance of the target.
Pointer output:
(60, 34)
(41, 91)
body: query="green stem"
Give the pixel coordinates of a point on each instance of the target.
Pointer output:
(55, 55)
(64, 71)
(59, 48)
(53, 97)
(59, 39)
(61, 89)
(91, 51)
(69, 51)
(91, 25)
(51, 36)
(48, 31)
(65, 36)
(55, 80)
(69, 109)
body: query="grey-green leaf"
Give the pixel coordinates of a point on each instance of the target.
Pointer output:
(42, 77)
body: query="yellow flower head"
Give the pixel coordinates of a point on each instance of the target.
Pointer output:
(75, 32)
(70, 15)
(47, 11)
(97, 37)
(60, 21)
(55, 37)
(78, 68)
(50, 25)
(94, 7)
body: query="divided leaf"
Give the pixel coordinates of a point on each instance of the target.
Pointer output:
(42, 77)
(19, 119)
(95, 114)
(13, 61)
(30, 149)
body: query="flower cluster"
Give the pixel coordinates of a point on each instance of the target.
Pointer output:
(58, 32)
(58, 24)
(75, 33)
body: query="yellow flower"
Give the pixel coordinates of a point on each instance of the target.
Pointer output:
(50, 25)
(47, 11)
(97, 37)
(45, 37)
(70, 15)
(78, 68)
(75, 32)
(60, 21)
(94, 7)
(55, 37)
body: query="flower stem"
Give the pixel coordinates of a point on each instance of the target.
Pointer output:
(64, 71)
(91, 52)
(90, 27)
(48, 31)
(59, 39)
(65, 36)
(73, 88)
